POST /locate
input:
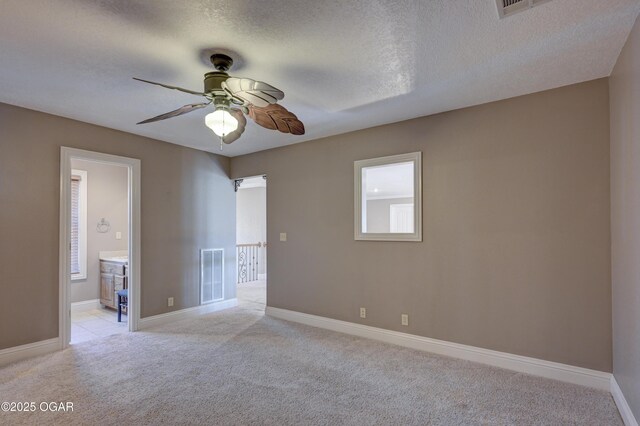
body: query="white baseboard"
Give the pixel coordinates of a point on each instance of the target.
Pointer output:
(86, 305)
(523, 364)
(156, 320)
(18, 353)
(262, 277)
(625, 411)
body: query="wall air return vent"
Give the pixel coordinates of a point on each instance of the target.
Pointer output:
(211, 275)
(509, 7)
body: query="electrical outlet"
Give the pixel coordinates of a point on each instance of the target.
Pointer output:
(283, 236)
(363, 312)
(118, 235)
(170, 301)
(404, 319)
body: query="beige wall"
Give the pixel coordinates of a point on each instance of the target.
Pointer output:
(187, 203)
(107, 197)
(516, 253)
(624, 87)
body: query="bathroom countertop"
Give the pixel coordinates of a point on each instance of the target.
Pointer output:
(118, 259)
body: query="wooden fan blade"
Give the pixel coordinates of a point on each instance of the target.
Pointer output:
(251, 91)
(276, 117)
(182, 110)
(242, 123)
(170, 87)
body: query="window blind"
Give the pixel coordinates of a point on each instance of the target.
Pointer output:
(75, 224)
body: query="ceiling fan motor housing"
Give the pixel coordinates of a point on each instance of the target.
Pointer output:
(213, 82)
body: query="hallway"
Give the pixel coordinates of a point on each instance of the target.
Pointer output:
(252, 295)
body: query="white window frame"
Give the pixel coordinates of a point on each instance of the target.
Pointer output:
(82, 226)
(360, 210)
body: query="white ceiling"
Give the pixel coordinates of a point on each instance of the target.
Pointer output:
(344, 65)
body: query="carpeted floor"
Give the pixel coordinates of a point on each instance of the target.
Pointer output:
(240, 367)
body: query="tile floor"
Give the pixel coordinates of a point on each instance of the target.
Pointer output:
(96, 323)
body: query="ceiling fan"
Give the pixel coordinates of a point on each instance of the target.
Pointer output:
(232, 97)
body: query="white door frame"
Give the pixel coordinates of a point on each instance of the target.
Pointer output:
(133, 167)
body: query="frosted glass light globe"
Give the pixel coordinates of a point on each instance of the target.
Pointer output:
(221, 122)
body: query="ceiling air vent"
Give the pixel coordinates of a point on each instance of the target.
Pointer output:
(509, 7)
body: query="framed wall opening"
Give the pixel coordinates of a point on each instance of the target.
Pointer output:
(251, 240)
(131, 258)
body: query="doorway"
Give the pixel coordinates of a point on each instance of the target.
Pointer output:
(99, 245)
(251, 241)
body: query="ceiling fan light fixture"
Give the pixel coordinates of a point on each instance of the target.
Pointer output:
(221, 122)
(232, 99)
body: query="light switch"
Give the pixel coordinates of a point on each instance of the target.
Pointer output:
(283, 236)
(118, 235)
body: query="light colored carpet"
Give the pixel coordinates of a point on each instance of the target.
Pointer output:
(240, 367)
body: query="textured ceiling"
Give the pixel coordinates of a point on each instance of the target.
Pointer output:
(344, 65)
